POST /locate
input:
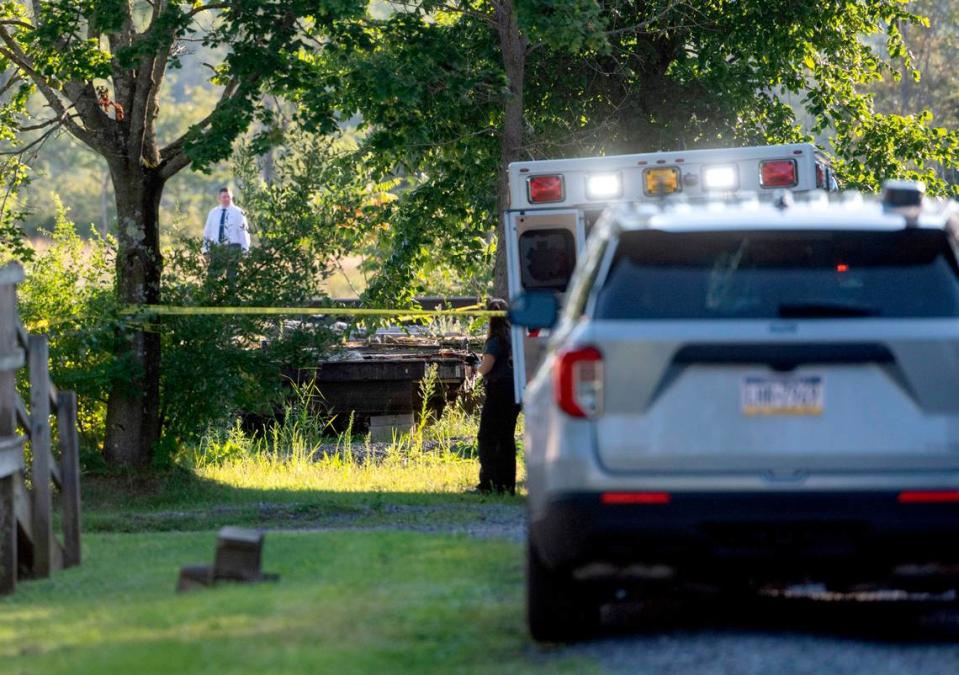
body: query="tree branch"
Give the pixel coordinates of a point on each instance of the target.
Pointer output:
(13, 52)
(14, 78)
(173, 158)
(37, 142)
(41, 125)
(17, 23)
(207, 8)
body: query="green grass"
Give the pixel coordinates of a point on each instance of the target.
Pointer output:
(295, 476)
(346, 602)
(183, 500)
(350, 599)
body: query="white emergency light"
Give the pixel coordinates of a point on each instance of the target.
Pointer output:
(720, 177)
(604, 186)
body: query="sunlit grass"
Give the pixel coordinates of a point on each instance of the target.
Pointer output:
(298, 453)
(399, 472)
(346, 602)
(296, 474)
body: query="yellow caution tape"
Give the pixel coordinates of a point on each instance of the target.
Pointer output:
(171, 310)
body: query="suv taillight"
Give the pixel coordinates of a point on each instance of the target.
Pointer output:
(578, 382)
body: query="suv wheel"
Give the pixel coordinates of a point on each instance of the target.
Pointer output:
(557, 607)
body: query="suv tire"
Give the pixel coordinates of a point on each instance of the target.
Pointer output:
(557, 607)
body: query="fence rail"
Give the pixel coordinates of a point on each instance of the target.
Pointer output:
(28, 544)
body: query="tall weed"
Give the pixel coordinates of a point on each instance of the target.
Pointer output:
(298, 451)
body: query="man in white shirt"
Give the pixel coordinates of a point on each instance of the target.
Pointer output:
(226, 225)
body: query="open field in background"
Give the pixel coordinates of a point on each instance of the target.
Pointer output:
(349, 281)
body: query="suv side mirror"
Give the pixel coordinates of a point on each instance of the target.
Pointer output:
(534, 310)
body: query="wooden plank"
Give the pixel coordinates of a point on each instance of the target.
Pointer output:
(40, 450)
(8, 538)
(12, 360)
(23, 338)
(11, 455)
(70, 472)
(8, 427)
(22, 508)
(11, 273)
(23, 417)
(11, 443)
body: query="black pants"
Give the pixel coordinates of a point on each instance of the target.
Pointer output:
(497, 444)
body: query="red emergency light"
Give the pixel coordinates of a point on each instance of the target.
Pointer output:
(545, 189)
(929, 497)
(778, 173)
(647, 498)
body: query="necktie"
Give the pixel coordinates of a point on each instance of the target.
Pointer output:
(222, 223)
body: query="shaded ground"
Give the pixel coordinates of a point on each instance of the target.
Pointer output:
(746, 637)
(346, 602)
(704, 634)
(182, 502)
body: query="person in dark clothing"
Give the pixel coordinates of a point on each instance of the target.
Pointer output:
(497, 430)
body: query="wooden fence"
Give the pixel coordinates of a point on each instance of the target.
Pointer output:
(28, 544)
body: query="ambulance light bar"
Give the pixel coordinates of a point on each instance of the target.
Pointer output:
(657, 181)
(545, 189)
(604, 186)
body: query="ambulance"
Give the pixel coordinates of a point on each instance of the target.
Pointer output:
(555, 203)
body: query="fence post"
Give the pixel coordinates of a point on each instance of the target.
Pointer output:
(69, 475)
(9, 276)
(40, 447)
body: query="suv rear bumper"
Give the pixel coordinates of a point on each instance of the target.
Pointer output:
(751, 534)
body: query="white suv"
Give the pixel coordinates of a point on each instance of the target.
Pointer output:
(742, 395)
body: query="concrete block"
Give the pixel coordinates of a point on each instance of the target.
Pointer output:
(383, 428)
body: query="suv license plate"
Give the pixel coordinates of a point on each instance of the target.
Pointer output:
(762, 395)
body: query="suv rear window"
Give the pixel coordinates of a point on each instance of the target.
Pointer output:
(781, 274)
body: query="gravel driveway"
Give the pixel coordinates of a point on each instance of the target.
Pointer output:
(711, 637)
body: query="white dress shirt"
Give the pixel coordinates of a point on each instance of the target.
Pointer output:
(234, 228)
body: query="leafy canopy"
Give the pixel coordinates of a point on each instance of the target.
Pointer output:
(429, 82)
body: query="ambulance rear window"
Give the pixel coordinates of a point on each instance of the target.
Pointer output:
(547, 258)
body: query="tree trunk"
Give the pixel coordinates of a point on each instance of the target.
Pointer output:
(105, 205)
(133, 422)
(513, 46)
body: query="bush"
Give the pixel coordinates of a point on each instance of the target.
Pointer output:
(215, 367)
(68, 295)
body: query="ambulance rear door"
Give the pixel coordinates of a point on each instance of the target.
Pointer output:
(542, 246)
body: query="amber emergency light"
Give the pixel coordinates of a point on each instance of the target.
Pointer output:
(661, 181)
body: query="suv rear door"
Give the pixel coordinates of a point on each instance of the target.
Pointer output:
(779, 352)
